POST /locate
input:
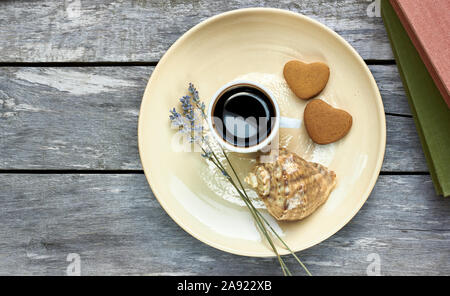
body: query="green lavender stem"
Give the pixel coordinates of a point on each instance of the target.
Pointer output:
(262, 217)
(261, 222)
(257, 219)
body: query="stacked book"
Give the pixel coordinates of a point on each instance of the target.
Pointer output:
(419, 31)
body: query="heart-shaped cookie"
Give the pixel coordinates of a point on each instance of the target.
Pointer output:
(306, 80)
(324, 123)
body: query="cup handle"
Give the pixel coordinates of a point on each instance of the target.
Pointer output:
(286, 122)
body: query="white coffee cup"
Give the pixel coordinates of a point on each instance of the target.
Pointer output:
(279, 121)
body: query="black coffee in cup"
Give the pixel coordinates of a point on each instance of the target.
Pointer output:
(243, 115)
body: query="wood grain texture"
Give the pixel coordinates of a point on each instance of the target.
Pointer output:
(391, 89)
(140, 30)
(86, 118)
(117, 227)
(66, 118)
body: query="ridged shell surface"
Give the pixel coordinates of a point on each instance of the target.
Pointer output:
(291, 187)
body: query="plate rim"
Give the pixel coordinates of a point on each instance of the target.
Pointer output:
(381, 113)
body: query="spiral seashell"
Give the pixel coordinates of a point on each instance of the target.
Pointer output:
(291, 187)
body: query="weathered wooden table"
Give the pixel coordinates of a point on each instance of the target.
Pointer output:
(72, 77)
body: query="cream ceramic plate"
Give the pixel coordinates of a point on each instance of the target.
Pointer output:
(254, 44)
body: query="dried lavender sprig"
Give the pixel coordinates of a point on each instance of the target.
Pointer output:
(189, 112)
(187, 107)
(196, 99)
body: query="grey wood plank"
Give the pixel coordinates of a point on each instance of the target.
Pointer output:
(391, 89)
(52, 115)
(86, 118)
(403, 149)
(139, 30)
(117, 227)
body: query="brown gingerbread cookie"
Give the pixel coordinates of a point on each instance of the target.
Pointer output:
(306, 80)
(324, 123)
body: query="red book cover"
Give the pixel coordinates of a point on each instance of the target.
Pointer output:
(427, 23)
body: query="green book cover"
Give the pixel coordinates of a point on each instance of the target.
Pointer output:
(431, 115)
